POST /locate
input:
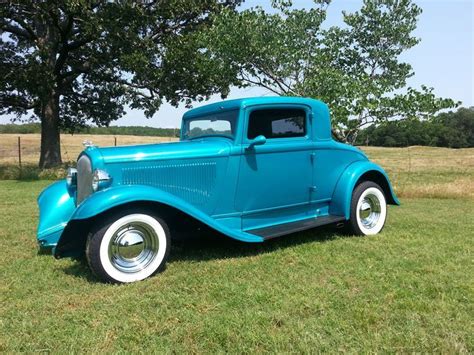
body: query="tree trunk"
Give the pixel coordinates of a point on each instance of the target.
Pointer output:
(50, 138)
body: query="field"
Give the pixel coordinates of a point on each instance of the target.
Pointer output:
(408, 289)
(414, 171)
(71, 145)
(427, 171)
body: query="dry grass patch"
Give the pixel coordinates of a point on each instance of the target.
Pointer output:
(459, 188)
(71, 145)
(427, 171)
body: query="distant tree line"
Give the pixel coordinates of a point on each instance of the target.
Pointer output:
(451, 130)
(132, 130)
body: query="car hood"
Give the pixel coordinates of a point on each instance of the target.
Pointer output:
(162, 151)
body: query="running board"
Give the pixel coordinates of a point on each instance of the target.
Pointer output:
(292, 227)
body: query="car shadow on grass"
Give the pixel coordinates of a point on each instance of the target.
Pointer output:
(214, 246)
(80, 268)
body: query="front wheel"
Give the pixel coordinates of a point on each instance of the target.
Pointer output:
(128, 246)
(368, 209)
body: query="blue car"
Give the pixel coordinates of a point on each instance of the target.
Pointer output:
(252, 169)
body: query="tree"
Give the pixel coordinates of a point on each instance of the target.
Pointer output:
(448, 129)
(459, 128)
(76, 61)
(355, 69)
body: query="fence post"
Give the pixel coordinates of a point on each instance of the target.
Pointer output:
(19, 153)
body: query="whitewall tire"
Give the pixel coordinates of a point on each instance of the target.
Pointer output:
(128, 246)
(368, 209)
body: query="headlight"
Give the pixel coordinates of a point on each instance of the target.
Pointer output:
(101, 179)
(71, 178)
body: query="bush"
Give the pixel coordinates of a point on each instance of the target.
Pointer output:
(31, 172)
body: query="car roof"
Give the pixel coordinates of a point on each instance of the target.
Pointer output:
(252, 101)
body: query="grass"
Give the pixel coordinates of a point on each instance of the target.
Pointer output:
(408, 289)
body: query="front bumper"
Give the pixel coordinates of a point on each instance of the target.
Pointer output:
(56, 206)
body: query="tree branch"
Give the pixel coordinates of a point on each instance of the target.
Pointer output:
(78, 43)
(24, 26)
(6, 27)
(67, 78)
(64, 52)
(258, 83)
(285, 88)
(16, 101)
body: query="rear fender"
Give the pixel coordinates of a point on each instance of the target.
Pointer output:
(355, 172)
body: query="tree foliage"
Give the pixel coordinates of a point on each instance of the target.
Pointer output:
(355, 68)
(448, 129)
(77, 61)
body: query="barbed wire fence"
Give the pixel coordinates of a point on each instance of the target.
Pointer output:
(21, 150)
(16, 151)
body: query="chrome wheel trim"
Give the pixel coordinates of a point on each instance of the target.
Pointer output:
(133, 247)
(162, 242)
(370, 211)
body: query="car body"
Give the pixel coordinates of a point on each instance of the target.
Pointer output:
(252, 169)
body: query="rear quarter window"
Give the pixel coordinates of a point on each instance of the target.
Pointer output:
(277, 123)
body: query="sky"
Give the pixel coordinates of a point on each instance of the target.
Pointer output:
(443, 60)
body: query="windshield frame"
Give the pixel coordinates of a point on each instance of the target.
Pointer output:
(234, 122)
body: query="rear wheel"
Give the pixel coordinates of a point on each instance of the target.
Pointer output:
(128, 246)
(368, 209)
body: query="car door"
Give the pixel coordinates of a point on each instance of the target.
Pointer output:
(275, 177)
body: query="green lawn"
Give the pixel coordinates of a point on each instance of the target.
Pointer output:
(407, 289)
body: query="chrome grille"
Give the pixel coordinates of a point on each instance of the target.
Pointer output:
(84, 179)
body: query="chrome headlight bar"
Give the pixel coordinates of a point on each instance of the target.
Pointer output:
(100, 180)
(71, 178)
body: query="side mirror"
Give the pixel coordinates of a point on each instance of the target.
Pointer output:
(258, 140)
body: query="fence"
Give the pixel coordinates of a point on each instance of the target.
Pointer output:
(24, 149)
(414, 171)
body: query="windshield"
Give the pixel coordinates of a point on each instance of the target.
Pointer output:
(215, 124)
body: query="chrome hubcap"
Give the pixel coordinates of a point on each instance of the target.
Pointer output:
(369, 211)
(133, 247)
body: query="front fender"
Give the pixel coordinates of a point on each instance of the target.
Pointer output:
(341, 199)
(56, 206)
(115, 196)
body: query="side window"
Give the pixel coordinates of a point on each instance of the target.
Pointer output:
(277, 123)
